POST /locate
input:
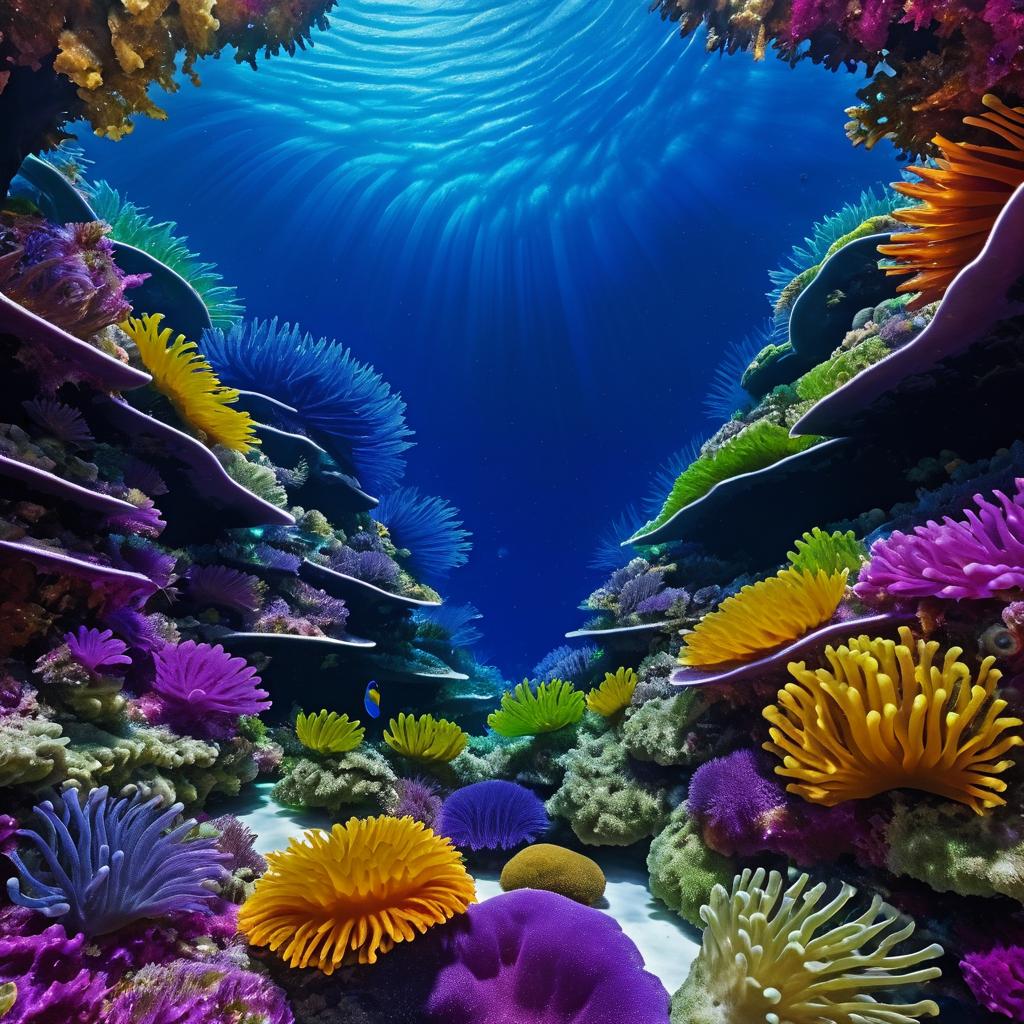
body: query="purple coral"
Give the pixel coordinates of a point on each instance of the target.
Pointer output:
(638, 590)
(222, 587)
(204, 690)
(369, 566)
(94, 649)
(59, 420)
(530, 955)
(663, 601)
(110, 862)
(973, 558)
(996, 979)
(144, 518)
(417, 798)
(493, 815)
(237, 842)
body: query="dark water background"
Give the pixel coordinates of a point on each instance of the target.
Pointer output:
(543, 223)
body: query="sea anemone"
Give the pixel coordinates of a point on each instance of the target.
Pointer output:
(996, 979)
(348, 896)
(328, 732)
(493, 815)
(428, 528)
(528, 711)
(766, 956)
(182, 374)
(345, 404)
(61, 421)
(427, 739)
(763, 616)
(417, 798)
(94, 649)
(818, 551)
(565, 662)
(976, 557)
(111, 862)
(222, 587)
(884, 716)
(614, 693)
(204, 690)
(961, 198)
(452, 623)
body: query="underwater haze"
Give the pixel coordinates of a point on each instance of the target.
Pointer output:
(545, 224)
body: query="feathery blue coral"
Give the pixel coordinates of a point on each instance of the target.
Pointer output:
(428, 528)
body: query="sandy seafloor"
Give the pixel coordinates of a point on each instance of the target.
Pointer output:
(666, 944)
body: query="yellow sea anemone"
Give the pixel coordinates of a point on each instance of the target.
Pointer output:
(182, 374)
(772, 952)
(328, 732)
(428, 739)
(764, 616)
(884, 716)
(614, 693)
(529, 712)
(348, 896)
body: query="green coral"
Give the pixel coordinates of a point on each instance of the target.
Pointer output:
(530, 760)
(683, 870)
(661, 730)
(768, 355)
(358, 777)
(841, 367)
(761, 444)
(32, 752)
(529, 711)
(254, 475)
(818, 551)
(602, 799)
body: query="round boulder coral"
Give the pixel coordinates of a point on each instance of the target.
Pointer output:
(493, 815)
(555, 869)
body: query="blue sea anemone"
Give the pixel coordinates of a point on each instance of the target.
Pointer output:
(565, 662)
(725, 395)
(344, 404)
(454, 621)
(492, 815)
(428, 528)
(111, 862)
(665, 477)
(609, 553)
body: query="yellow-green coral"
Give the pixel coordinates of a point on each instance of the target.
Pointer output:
(555, 869)
(818, 551)
(614, 693)
(355, 778)
(427, 739)
(327, 732)
(528, 712)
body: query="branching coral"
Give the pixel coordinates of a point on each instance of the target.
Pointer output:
(555, 869)
(885, 716)
(613, 694)
(763, 616)
(111, 862)
(529, 711)
(427, 739)
(778, 952)
(818, 551)
(183, 375)
(492, 815)
(350, 895)
(428, 528)
(960, 198)
(976, 557)
(327, 732)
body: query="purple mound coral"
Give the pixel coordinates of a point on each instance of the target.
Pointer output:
(110, 862)
(204, 690)
(972, 558)
(95, 650)
(492, 815)
(996, 979)
(537, 956)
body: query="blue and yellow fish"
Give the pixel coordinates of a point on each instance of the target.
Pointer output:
(371, 699)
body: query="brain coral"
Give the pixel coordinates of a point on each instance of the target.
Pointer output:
(508, 961)
(348, 896)
(492, 815)
(555, 869)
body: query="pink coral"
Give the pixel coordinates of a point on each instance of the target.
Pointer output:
(996, 978)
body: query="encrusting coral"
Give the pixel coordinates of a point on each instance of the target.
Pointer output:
(350, 895)
(327, 732)
(885, 716)
(530, 711)
(425, 738)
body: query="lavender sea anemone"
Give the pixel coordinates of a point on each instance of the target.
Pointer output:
(222, 587)
(94, 649)
(493, 815)
(58, 420)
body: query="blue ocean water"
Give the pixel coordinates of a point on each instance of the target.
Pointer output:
(543, 224)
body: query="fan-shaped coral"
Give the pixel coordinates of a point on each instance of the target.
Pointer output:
(763, 616)
(348, 896)
(614, 693)
(492, 815)
(565, 662)
(182, 374)
(427, 739)
(344, 403)
(328, 732)
(428, 528)
(222, 587)
(555, 869)
(885, 716)
(961, 198)
(111, 862)
(971, 558)
(529, 711)
(781, 953)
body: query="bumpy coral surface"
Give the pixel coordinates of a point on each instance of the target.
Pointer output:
(350, 895)
(885, 716)
(555, 869)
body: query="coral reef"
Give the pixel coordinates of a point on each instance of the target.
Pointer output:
(492, 815)
(555, 869)
(359, 777)
(613, 694)
(428, 528)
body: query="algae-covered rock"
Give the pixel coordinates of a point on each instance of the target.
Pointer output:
(358, 777)
(555, 869)
(660, 730)
(32, 752)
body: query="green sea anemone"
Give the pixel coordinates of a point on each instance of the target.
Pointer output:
(528, 712)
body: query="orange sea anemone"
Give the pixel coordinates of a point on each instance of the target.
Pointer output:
(350, 895)
(960, 201)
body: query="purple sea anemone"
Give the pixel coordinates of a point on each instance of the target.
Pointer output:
(417, 798)
(204, 690)
(95, 650)
(142, 632)
(111, 862)
(537, 956)
(58, 420)
(492, 815)
(972, 558)
(996, 979)
(143, 519)
(237, 842)
(137, 555)
(222, 587)
(369, 566)
(565, 662)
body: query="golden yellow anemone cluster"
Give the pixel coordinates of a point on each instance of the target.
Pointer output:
(182, 374)
(885, 716)
(614, 693)
(350, 895)
(328, 732)
(427, 739)
(763, 616)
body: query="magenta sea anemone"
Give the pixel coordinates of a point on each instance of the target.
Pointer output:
(94, 649)
(996, 978)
